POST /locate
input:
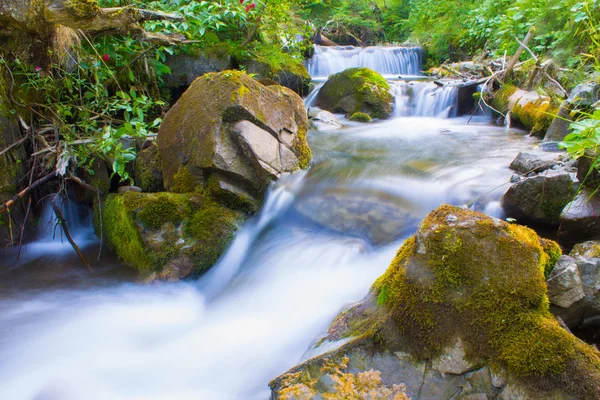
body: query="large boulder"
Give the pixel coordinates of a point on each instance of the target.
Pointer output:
(167, 236)
(460, 313)
(148, 170)
(539, 199)
(230, 130)
(357, 90)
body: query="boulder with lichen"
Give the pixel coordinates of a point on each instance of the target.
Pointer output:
(229, 130)
(357, 90)
(461, 312)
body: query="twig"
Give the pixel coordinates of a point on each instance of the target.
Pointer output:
(23, 227)
(556, 83)
(101, 227)
(63, 225)
(515, 57)
(4, 207)
(81, 182)
(15, 144)
(528, 49)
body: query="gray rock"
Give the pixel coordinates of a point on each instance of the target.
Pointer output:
(125, 189)
(589, 249)
(586, 174)
(185, 68)
(323, 120)
(298, 81)
(580, 218)
(527, 162)
(564, 284)
(513, 392)
(585, 94)
(539, 199)
(452, 360)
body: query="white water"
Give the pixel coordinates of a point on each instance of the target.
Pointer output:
(424, 99)
(275, 290)
(390, 61)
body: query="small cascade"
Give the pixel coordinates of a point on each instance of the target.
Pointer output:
(277, 201)
(425, 99)
(390, 61)
(311, 99)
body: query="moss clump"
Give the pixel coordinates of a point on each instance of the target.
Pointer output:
(357, 90)
(83, 9)
(467, 275)
(360, 117)
(121, 233)
(155, 210)
(184, 181)
(148, 170)
(553, 252)
(233, 201)
(212, 226)
(536, 116)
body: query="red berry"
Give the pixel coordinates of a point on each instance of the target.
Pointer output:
(106, 57)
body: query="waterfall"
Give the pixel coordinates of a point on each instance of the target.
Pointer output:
(391, 61)
(424, 99)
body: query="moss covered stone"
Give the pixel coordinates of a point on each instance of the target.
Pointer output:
(533, 112)
(159, 233)
(148, 170)
(229, 124)
(470, 276)
(360, 117)
(282, 69)
(357, 90)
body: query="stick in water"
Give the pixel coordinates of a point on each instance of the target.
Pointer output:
(63, 225)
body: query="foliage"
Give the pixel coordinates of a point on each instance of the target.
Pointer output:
(585, 138)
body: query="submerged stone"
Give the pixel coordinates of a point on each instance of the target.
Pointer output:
(463, 278)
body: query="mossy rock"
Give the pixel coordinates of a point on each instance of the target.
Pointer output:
(156, 233)
(360, 117)
(357, 90)
(148, 170)
(287, 72)
(466, 294)
(229, 124)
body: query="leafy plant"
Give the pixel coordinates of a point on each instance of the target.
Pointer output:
(584, 140)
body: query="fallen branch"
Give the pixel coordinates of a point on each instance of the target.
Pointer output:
(23, 227)
(63, 225)
(15, 144)
(515, 58)
(84, 184)
(4, 207)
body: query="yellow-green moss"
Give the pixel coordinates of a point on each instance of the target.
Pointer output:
(303, 151)
(535, 116)
(360, 117)
(120, 232)
(502, 96)
(213, 227)
(483, 280)
(148, 170)
(154, 210)
(184, 181)
(553, 253)
(83, 9)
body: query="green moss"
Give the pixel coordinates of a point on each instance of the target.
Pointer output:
(502, 96)
(360, 117)
(553, 252)
(154, 210)
(148, 170)
(213, 227)
(482, 280)
(233, 201)
(357, 90)
(303, 151)
(83, 9)
(120, 231)
(184, 181)
(536, 116)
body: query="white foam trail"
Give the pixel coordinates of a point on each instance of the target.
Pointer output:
(391, 61)
(276, 202)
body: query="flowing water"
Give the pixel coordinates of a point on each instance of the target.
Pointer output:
(68, 334)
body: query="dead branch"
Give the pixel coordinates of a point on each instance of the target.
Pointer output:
(4, 207)
(15, 144)
(23, 227)
(63, 225)
(84, 184)
(515, 58)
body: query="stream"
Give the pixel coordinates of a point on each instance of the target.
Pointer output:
(68, 334)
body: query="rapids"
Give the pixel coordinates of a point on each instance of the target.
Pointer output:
(67, 334)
